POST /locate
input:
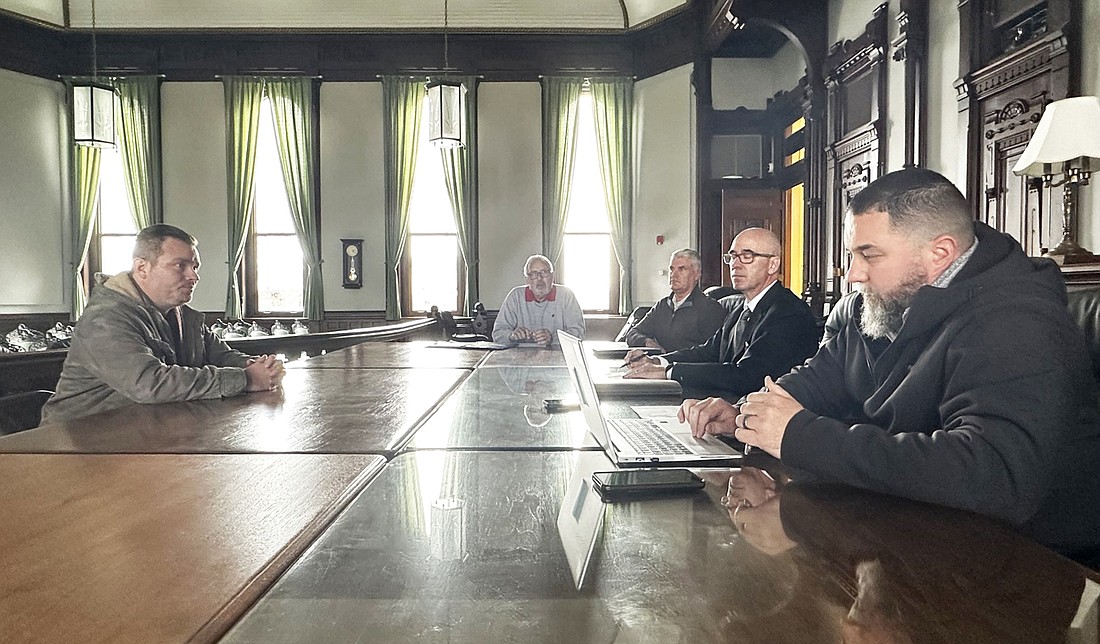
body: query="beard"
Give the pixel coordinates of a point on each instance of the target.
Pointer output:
(884, 313)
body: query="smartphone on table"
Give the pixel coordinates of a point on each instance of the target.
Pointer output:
(623, 485)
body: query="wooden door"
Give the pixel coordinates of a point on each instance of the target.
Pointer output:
(757, 208)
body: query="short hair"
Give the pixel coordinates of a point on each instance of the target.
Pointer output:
(692, 255)
(920, 204)
(541, 258)
(151, 238)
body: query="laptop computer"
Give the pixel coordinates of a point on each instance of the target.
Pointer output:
(638, 442)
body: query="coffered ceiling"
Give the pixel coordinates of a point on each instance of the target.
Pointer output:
(464, 15)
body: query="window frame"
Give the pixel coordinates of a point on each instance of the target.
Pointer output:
(247, 271)
(562, 268)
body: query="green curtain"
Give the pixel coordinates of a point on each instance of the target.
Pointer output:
(242, 119)
(613, 102)
(86, 183)
(403, 98)
(460, 172)
(138, 110)
(559, 146)
(293, 105)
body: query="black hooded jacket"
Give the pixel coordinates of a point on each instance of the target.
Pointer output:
(985, 401)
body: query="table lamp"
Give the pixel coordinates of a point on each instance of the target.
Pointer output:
(1063, 150)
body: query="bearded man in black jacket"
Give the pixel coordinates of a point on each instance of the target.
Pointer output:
(957, 378)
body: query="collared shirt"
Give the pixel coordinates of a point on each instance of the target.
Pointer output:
(751, 304)
(945, 277)
(676, 304)
(529, 295)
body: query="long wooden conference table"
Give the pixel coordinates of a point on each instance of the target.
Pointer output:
(398, 492)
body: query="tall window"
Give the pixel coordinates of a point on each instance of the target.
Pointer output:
(113, 244)
(275, 255)
(431, 256)
(588, 266)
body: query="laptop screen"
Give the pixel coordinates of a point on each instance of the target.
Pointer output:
(575, 361)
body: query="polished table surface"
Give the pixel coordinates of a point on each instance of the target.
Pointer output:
(525, 357)
(156, 548)
(464, 546)
(504, 408)
(391, 355)
(317, 410)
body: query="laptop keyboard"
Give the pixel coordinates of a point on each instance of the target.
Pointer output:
(646, 438)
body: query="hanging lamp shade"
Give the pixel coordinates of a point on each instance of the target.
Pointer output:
(446, 107)
(94, 114)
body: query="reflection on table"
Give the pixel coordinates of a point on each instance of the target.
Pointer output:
(392, 355)
(505, 408)
(317, 410)
(468, 547)
(525, 357)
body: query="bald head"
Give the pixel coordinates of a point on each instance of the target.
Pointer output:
(761, 240)
(754, 260)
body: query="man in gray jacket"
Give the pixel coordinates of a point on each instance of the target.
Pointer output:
(139, 342)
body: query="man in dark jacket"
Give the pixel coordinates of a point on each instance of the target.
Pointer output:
(958, 378)
(686, 317)
(767, 333)
(139, 342)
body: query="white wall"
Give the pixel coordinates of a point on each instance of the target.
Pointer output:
(34, 198)
(510, 184)
(664, 194)
(1089, 206)
(353, 197)
(946, 143)
(750, 82)
(195, 193)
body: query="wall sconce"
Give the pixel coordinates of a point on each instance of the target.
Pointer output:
(1066, 145)
(353, 263)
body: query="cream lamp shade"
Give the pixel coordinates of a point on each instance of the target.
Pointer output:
(1069, 129)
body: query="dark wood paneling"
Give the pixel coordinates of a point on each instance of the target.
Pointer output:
(1002, 94)
(29, 48)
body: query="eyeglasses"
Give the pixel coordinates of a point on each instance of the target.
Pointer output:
(746, 256)
(538, 275)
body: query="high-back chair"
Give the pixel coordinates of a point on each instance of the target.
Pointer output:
(22, 410)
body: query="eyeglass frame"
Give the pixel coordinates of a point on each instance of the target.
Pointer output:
(535, 275)
(727, 258)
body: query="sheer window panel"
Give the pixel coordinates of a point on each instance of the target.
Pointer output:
(587, 265)
(433, 262)
(117, 231)
(279, 280)
(593, 252)
(277, 254)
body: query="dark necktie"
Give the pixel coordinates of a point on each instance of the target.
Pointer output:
(739, 338)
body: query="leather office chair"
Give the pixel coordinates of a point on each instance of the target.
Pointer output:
(1084, 308)
(635, 317)
(457, 329)
(719, 292)
(22, 411)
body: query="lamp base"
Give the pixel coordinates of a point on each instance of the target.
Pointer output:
(1068, 252)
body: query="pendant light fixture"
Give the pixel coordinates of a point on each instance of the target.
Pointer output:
(93, 106)
(446, 102)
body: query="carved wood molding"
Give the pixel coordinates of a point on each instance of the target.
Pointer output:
(1021, 112)
(848, 58)
(854, 144)
(1033, 60)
